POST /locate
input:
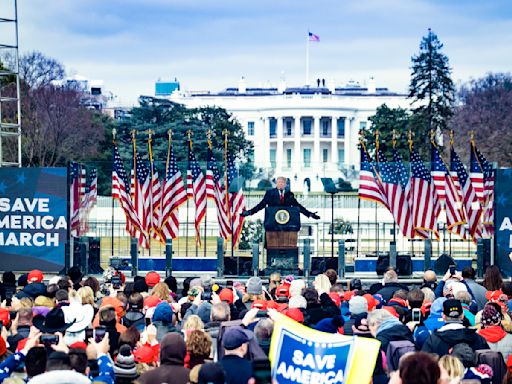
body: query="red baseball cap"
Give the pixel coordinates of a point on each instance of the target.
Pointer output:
(226, 295)
(144, 354)
(372, 303)
(283, 290)
(261, 304)
(336, 298)
(295, 314)
(79, 344)
(35, 276)
(151, 301)
(152, 279)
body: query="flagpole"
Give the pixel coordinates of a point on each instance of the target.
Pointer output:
(307, 60)
(134, 144)
(394, 221)
(226, 187)
(376, 217)
(188, 199)
(114, 132)
(151, 204)
(209, 141)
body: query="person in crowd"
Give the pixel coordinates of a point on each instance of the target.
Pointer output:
(274, 282)
(131, 337)
(263, 333)
(452, 369)
(465, 299)
(162, 291)
(235, 341)
(164, 320)
(253, 291)
(390, 285)
(435, 319)
(35, 286)
(20, 327)
(472, 373)
(386, 328)
(332, 275)
(453, 332)
(125, 368)
(417, 368)
(152, 278)
(469, 275)
(493, 280)
(172, 362)
(8, 287)
(318, 308)
(220, 312)
(493, 332)
(358, 305)
(211, 373)
(135, 315)
(429, 280)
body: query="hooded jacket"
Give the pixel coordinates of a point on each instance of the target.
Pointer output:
(32, 290)
(446, 337)
(135, 318)
(392, 330)
(389, 289)
(172, 360)
(162, 320)
(498, 339)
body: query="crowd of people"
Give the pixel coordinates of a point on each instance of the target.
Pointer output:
(76, 329)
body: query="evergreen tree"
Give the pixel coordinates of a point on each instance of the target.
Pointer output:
(385, 121)
(431, 90)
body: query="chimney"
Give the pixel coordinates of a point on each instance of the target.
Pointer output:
(242, 85)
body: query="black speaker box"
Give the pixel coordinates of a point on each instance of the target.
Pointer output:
(403, 265)
(237, 266)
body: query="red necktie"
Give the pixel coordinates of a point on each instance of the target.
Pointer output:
(281, 197)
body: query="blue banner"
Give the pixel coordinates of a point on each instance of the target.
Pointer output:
(33, 218)
(503, 220)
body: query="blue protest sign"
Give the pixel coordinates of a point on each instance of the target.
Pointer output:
(503, 220)
(33, 220)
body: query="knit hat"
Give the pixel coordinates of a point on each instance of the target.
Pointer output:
(35, 276)
(226, 295)
(330, 325)
(254, 286)
(22, 280)
(357, 305)
(465, 354)
(360, 326)
(211, 373)
(490, 316)
(297, 302)
(152, 279)
(163, 312)
(140, 286)
(295, 314)
(124, 367)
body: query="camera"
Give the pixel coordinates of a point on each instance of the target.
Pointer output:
(116, 282)
(49, 339)
(99, 333)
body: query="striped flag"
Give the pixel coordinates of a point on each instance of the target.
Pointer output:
(455, 216)
(425, 204)
(392, 174)
(75, 194)
(155, 197)
(198, 187)
(173, 196)
(488, 195)
(88, 201)
(370, 188)
(469, 197)
(142, 199)
(476, 174)
(236, 201)
(215, 191)
(313, 37)
(121, 193)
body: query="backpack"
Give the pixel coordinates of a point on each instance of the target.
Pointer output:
(396, 349)
(494, 359)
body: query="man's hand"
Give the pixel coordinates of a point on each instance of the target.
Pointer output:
(314, 216)
(61, 346)
(102, 347)
(245, 213)
(250, 316)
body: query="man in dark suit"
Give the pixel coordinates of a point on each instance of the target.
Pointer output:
(280, 197)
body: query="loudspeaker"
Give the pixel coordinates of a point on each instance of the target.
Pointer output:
(237, 266)
(321, 264)
(403, 265)
(443, 263)
(285, 261)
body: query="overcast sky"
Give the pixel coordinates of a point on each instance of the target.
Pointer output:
(209, 44)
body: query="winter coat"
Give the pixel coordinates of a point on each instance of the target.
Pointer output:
(237, 369)
(392, 330)
(135, 318)
(172, 360)
(478, 293)
(388, 290)
(446, 337)
(498, 340)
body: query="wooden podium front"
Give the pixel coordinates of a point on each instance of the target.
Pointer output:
(281, 240)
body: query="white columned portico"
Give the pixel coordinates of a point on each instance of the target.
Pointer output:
(279, 149)
(265, 142)
(334, 143)
(316, 142)
(296, 144)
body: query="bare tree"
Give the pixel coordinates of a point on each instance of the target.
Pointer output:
(36, 69)
(485, 107)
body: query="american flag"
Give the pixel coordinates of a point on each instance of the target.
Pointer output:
(89, 201)
(198, 189)
(455, 216)
(236, 201)
(121, 193)
(173, 196)
(476, 173)
(469, 197)
(155, 198)
(370, 188)
(92, 194)
(438, 173)
(488, 197)
(313, 37)
(425, 204)
(75, 193)
(391, 175)
(142, 199)
(215, 191)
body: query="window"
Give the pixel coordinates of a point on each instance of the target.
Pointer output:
(362, 125)
(273, 158)
(250, 128)
(341, 127)
(288, 127)
(325, 155)
(288, 157)
(307, 157)
(341, 156)
(306, 127)
(325, 128)
(273, 124)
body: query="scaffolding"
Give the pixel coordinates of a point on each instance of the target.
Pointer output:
(10, 103)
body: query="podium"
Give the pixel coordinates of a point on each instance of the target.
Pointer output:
(282, 225)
